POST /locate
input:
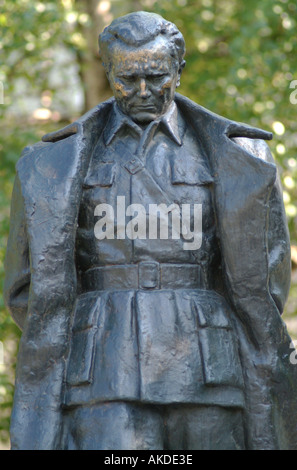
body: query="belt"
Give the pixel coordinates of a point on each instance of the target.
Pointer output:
(144, 275)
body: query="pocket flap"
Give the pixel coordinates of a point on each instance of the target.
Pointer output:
(211, 311)
(81, 358)
(189, 169)
(221, 365)
(100, 174)
(86, 311)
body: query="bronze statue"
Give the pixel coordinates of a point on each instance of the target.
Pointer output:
(148, 265)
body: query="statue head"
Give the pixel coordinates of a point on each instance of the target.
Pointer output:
(143, 55)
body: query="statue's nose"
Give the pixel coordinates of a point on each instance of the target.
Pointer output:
(144, 91)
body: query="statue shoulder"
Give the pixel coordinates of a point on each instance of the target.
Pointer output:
(29, 152)
(83, 126)
(96, 117)
(204, 121)
(257, 147)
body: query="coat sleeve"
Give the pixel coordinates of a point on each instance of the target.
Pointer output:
(278, 238)
(17, 264)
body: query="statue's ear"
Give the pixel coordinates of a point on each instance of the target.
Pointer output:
(181, 67)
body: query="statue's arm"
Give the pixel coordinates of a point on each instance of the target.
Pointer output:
(278, 238)
(17, 264)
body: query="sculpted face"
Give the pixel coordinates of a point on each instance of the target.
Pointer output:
(144, 80)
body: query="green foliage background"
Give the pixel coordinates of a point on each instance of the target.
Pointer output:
(241, 59)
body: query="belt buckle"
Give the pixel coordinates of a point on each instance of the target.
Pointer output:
(148, 275)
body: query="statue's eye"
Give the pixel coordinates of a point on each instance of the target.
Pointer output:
(128, 78)
(156, 77)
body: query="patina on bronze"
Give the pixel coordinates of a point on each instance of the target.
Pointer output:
(139, 337)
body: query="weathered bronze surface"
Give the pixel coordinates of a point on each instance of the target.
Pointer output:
(148, 265)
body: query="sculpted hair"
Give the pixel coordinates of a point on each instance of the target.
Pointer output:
(137, 29)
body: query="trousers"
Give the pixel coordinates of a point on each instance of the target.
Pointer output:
(138, 426)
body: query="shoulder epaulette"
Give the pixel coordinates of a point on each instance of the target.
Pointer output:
(237, 129)
(61, 133)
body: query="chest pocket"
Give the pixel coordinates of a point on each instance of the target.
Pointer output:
(187, 169)
(100, 174)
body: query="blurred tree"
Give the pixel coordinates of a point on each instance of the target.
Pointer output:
(240, 58)
(93, 78)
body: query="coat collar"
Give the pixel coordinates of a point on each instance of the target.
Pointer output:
(202, 116)
(118, 120)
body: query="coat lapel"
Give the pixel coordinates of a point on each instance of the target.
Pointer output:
(243, 184)
(55, 172)
(242, 188)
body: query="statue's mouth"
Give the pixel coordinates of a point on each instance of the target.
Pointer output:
(144, 108)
